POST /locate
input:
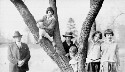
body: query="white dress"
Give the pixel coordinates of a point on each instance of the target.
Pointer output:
(94, 52)
(74, 63)
(109, 51)
(109, 54)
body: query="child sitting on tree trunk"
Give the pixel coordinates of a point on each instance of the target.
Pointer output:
(46, 26)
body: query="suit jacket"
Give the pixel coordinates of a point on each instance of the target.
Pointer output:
(66, 47)
(15, 54)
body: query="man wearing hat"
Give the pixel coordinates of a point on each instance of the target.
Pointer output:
(68, 43)
(18, 54)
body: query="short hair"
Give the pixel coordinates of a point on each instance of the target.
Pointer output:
(97, 32)
(73, 49)
(50, 9)
(108, 31)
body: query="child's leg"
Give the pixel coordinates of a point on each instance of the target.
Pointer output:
(50, 38)
(41, 34)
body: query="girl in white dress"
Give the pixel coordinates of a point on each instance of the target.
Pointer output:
(110, 56)
(94, 52)
(74, 58)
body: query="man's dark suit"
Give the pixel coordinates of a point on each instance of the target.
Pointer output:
(15, 54)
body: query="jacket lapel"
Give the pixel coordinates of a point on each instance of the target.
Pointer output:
(17, 54)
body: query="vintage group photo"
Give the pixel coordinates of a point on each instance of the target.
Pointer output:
(62, 36)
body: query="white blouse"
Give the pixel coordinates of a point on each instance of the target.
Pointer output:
(94, 52)
(109, 52)
(74, 63)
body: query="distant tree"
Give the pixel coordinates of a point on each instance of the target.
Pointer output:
(71, 27)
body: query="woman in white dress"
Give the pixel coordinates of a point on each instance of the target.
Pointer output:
(110, 56)
(94, 52)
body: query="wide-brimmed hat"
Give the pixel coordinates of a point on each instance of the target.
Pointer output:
(17, 34)
(68, 34)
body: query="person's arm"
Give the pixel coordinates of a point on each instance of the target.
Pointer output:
(117, 55)
(67, 54)
(41, 20)
(10, 56)
(51, 26)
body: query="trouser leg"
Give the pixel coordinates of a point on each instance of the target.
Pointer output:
(95, 66)
(113, 67)
(105, 67)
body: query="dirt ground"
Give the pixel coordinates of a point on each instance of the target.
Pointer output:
(40, 62)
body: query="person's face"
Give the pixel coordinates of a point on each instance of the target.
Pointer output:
(71, 54)
(96, 37)
(109, 36)
(49, 13)
(68, 38)
(17, 39)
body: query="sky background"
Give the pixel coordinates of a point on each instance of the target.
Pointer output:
(111, 15)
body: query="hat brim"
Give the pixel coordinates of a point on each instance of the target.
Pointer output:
(17, 36)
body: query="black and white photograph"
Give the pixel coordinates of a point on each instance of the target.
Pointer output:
(62, 35)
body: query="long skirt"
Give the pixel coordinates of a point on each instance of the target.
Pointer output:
(108, 67)
(93, 67)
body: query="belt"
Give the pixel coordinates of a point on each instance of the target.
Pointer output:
(95, 59)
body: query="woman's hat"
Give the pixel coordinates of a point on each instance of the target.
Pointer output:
(68, 34)
(17, 34)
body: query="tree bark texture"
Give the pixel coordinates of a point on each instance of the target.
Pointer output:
(85, 30)
(93, 28)
(29, 20)
(57, 37)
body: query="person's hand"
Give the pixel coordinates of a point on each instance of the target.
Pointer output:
(40, 25)
(67, 55)
(44, 27)
(20, 63)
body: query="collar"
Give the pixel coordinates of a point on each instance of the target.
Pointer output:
(18, 42)
(97, 42)
(106, 41)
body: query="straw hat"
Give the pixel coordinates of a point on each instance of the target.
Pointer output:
(68, 34)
